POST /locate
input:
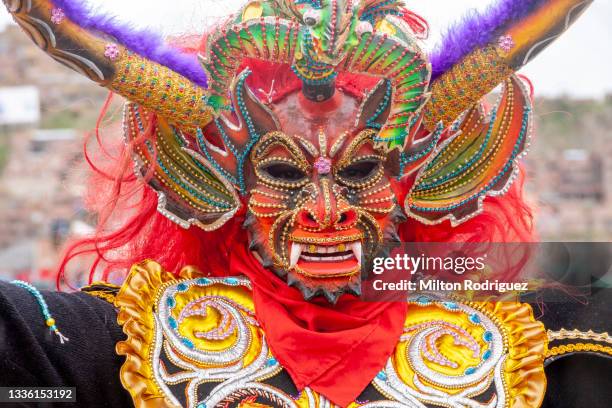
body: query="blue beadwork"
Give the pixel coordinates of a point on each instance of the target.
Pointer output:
(44, 308)
(423, 300)
(375, 12)
(470, 162)
(241, 156)
(203, 281)
(312, 65)
(314, 3)
(188, 343)
(231, 281)
(407, 159)
(474, 318)
(381, 108)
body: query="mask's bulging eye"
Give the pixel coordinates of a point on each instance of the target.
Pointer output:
(312, 17)
(359, 171)
(284, 172)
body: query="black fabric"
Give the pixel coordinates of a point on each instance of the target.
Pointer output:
(30, 355)
(581, 379)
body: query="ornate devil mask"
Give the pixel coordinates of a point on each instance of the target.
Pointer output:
(325, 175)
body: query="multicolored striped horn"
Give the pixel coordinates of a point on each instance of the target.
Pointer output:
(135, 64)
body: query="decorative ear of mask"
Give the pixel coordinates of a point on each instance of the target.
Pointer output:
(227, 141)
(373, 114)
(191, 190)
(480, 160)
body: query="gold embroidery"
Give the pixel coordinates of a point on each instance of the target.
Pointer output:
(162, 90)
(578, 347)
(102, 290)
(463, 85)
(152, 296)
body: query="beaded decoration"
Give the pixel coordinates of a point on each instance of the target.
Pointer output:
(564, 342)
(479, 161)
(49, 320)
(190, 189)
(319, 39)
(464, 85)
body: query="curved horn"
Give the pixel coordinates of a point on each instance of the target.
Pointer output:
(117, 57)
(466, 67)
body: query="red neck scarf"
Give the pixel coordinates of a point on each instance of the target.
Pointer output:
(335, 350)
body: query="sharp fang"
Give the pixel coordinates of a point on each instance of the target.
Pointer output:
(296, 251)
(356, 248)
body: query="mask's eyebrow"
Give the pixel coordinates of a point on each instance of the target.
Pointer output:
(338, 144)
(310, 148)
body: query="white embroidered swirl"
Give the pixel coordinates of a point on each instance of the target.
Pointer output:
(234, 319)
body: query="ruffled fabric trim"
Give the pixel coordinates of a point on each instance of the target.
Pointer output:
(527, 343)
(136, 301)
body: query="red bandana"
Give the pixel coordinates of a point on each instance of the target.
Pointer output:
(335, 350)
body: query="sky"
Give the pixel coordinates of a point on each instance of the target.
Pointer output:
(579, 64)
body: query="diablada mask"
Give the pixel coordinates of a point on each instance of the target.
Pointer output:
(316, 167)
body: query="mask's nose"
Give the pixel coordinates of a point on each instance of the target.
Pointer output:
(326, 212)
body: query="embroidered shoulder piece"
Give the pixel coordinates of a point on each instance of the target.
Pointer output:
(186, 335)
(195, 342)
(466, 355)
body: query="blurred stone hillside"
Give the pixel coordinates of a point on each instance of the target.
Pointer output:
(570, 168)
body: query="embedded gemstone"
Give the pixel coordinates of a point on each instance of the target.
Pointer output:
(382, 376)
(323, 165)
(474, 318)
(203, 281)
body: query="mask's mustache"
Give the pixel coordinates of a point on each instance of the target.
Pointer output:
(289, 251)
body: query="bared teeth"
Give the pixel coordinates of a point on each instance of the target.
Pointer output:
(296, 251)
(356, 248)
(324, 253)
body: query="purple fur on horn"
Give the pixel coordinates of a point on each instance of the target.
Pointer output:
(146, 43)
(477, 29)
